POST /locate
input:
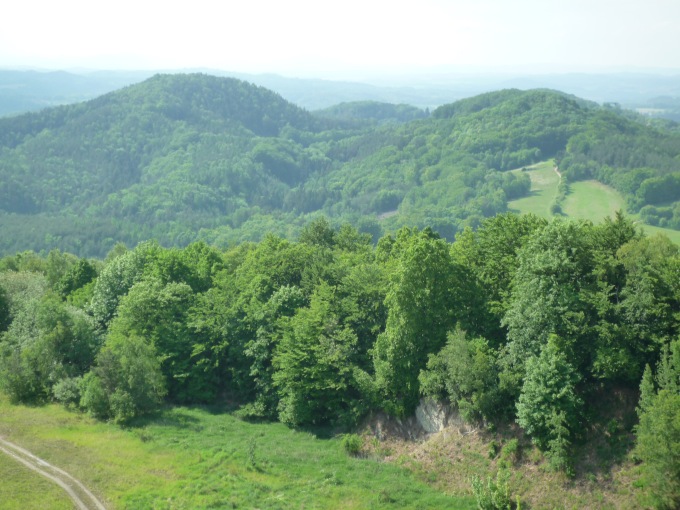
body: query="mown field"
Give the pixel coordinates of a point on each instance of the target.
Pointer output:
(544, 183)
(588, 200)
(194, 458)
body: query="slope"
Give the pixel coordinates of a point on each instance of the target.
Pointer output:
(186, 157)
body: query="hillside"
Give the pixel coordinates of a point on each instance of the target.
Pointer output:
(186, 157)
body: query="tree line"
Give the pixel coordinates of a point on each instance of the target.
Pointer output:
(522, 320)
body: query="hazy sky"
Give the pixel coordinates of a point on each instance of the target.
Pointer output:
(342, 39)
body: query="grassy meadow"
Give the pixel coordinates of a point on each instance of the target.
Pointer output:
(193, 458)
(544, 183)
(587, 200)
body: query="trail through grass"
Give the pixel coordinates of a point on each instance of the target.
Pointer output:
(23, 489)
(192, 458)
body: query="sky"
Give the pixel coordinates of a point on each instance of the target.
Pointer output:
(348, 39)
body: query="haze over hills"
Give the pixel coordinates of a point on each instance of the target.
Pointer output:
(656, 92)
(186, 157)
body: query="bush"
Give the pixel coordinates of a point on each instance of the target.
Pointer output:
(123, 407)
(67, 391)
(352, 444)
(94, 398)
(510, 454)
(492, 495)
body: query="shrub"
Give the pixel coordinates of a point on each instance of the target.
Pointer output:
(352, 444)
(67, 391)
(510, 453)
(494, 494)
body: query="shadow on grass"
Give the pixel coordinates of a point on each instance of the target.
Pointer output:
(174, 417)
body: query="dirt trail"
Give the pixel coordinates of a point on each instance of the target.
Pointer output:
(81, 496)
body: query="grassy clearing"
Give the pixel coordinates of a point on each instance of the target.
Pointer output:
(673, 235)
(192, 458)
(592, 200)
(544, 183)
(587, 200)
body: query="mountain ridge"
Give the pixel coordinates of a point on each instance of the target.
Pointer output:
(186, 157)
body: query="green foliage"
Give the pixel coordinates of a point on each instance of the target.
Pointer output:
(67, 391)
(158, 314)
(421, 302)
(126, 380)
(352, 444)
(549, 409)
(193, 157)
(372, 111)
(491, 255)
(494, 494)
(4, 310)
(322, 331)
(658, 433)
(550, 295)
(313, 362)
(465, 373)
(46, 341)
(79, 275)
(115, 281)
(510, 453)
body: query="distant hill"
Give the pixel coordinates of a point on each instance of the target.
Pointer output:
(22, 91)
(25, 91)
(373, 111)
(192, 156)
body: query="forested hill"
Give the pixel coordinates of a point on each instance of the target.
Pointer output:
(195, 157)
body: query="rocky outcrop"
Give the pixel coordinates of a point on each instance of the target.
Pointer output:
(430, 417)
(433, 416)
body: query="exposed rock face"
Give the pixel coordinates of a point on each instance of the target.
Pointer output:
(433, 416)
(430, 417)
(383, 426)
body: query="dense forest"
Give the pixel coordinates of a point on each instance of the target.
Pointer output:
(522, 320)
(185, 158)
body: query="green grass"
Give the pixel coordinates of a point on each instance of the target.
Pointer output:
(673, 235)
(192, 458)
(587, 200)
(544, 183)
(592, 200)
(23, 489)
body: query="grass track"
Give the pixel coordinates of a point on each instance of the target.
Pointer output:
(22, 489)
(192, 458)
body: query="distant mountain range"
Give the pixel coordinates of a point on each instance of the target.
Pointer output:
(657, 94)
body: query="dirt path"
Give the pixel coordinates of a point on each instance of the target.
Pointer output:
(81, 496)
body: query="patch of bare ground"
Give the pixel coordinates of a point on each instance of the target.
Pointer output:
(388, 214)
(604, 474)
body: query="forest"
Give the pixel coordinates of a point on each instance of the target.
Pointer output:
(186, 158)
(520, 321)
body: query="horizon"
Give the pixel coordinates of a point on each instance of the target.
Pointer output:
(365, 40)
